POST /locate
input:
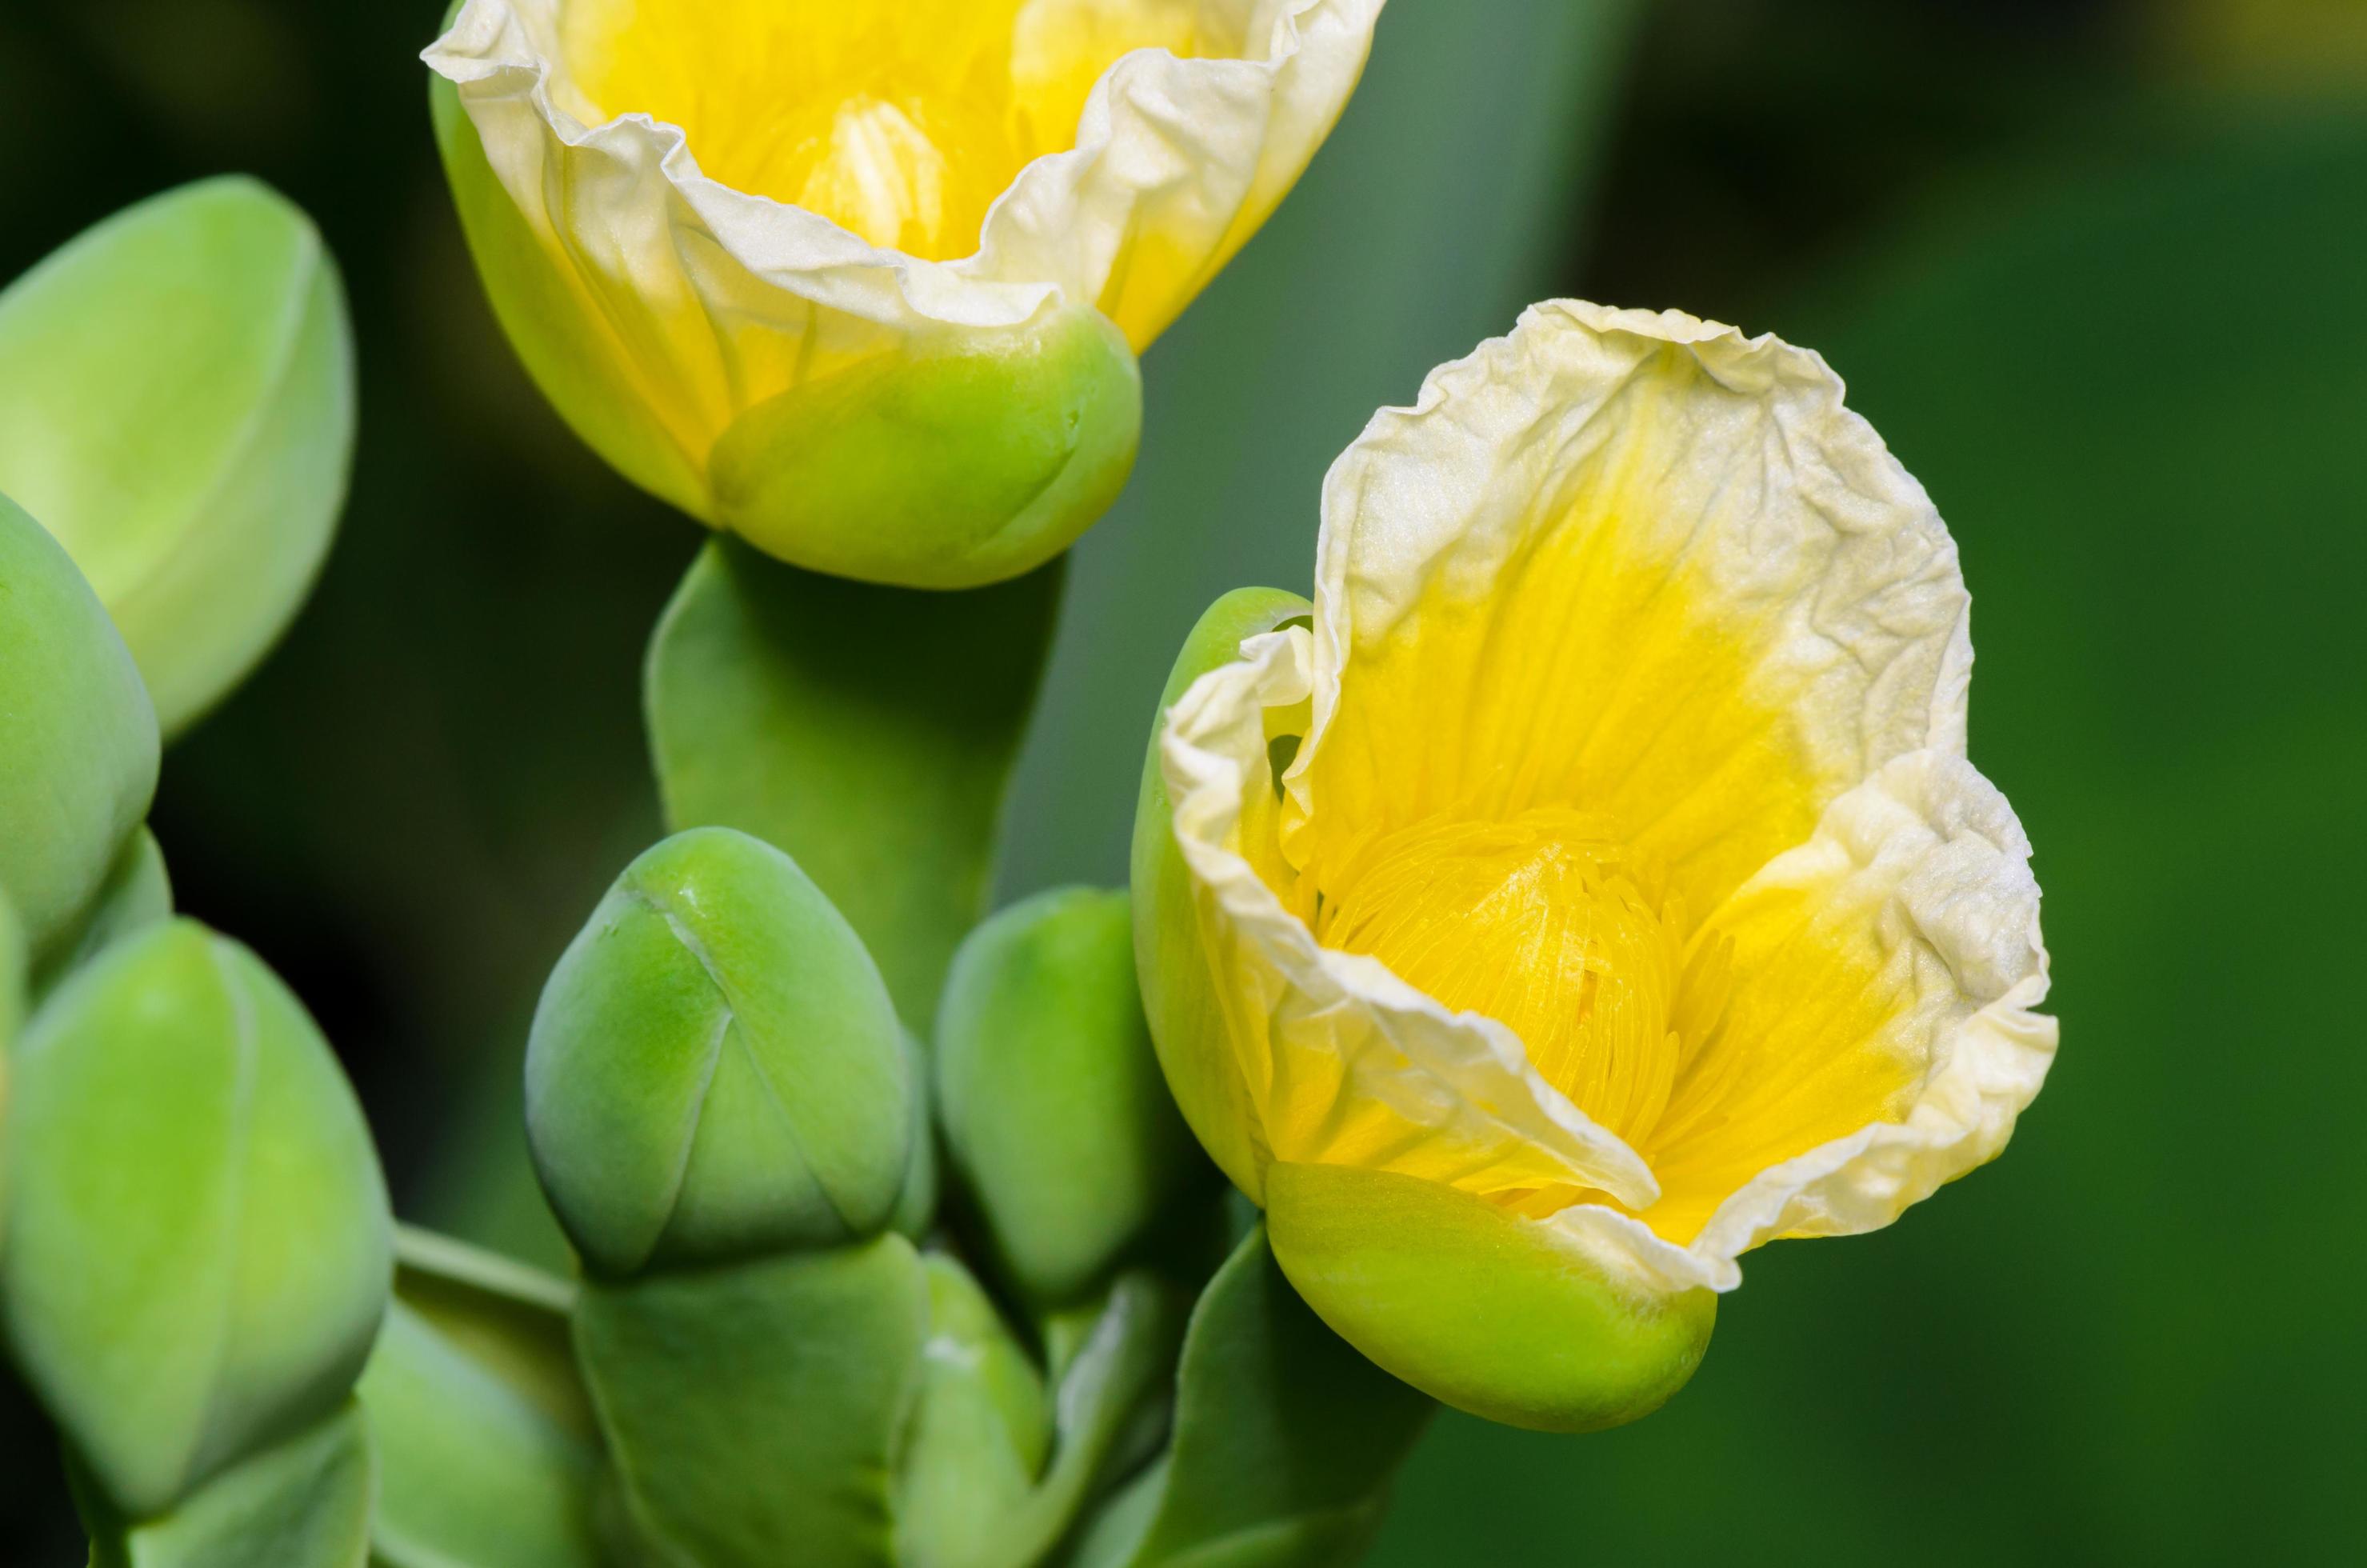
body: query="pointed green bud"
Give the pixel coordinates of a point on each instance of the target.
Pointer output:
(198, 1247)
(304, 1501)
(1050, 1095)
(1479, 1307)
(715, 1071)
(944, 464)
(176, 405)
(981, 1433)
(76, 730)
(136, 894)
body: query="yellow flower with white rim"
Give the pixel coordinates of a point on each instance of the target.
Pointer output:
(865, 283)
(1590, 885)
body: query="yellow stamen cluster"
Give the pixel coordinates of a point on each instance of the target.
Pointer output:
(1546, 923)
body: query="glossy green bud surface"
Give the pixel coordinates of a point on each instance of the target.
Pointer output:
(304, 1501)
(715, 1070)
(136, 894)
(198, 1247)
(176, 405)
(979, 1434)
(1049, 1092)
(1478, 1308)
(78, 745)
(945, 465)
(471, 1471)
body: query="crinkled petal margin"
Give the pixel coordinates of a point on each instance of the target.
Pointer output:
(1959, 860)
(1176, 162)
(1328, 1041)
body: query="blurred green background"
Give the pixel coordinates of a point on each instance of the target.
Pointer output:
(2096, 272)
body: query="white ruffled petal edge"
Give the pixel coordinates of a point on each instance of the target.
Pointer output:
(1461, 1077)
(1197, 149)
(1958, 866)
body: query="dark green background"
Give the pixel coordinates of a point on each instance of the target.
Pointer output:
(2098, 272)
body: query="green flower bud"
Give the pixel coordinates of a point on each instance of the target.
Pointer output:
(981, 1433)
(199, 1244)
(946, 465)
(138, 893)
(1050, 1095)
(716, 1070)
(1476, 1306)
(304, 1501)
(176, 405)
(76, 730)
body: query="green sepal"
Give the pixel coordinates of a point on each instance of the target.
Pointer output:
(980, 1433)
(1179, 993)
(868, 731)
(1409, 1271)
(77, 732)
(304, 1501)
(136, 894)
(716, 1068)
(949, 461)
(1051, 1096)
(753, 1410)
(472, 1474)
(1285, 1440)
(176, 405)
(513, 1319)
(197, 1242)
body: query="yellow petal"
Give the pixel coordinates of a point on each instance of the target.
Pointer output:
(1878, 1039)
(1636, 566)
(1344, 1062)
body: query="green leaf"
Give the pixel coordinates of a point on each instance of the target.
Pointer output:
(715, 1068)
(1286, 1440)
(302, 1503)
(198, 1237)
(1050, 1095)
(76, 730)
(753, 1410)
(868, 731)
(471, 1472)
(138, 893)
(512, 1320)
(176, 405)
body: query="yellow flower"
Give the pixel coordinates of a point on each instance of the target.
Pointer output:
(1624, 898)
(735, 240)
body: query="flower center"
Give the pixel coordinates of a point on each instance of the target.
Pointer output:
(1546, 923)
(902, 122)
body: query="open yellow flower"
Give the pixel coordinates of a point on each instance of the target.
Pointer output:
(863, 282)
(1591, 884)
